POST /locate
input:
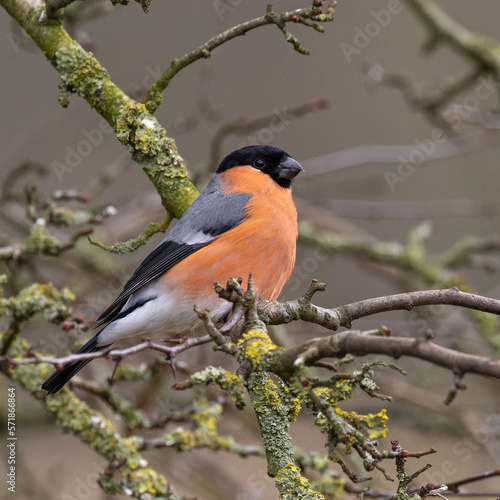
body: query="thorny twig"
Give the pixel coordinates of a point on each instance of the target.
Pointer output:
(111, 352)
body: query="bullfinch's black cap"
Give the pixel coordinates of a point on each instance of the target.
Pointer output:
(275, 162)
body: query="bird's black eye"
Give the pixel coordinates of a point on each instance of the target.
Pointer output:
(259, 163)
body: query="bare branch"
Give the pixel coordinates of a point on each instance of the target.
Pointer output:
(478, 47)
(431, 104)
(280, 313)
(414, 454)
(358, 344)
(351, 475)
(213, 332)
(388, 153)
(455, 485)
(308, 16)
(457, 386)
(427, 209)
(243, 126)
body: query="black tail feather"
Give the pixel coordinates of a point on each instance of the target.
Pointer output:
(60, 377)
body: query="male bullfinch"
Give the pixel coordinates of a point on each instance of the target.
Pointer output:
(244, 221)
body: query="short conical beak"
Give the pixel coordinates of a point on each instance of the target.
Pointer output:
(289, 168)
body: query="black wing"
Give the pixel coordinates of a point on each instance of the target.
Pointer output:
(162, 258)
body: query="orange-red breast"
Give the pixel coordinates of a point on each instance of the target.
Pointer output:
(244, 221)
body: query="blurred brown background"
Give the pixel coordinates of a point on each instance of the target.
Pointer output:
(256, 76)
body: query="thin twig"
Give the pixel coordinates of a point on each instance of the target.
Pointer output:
(455, 485)
(430, 105)
(154, 95)
(110, 352)
(243, 126)
(53, 6)
(478, 47)
(388, 153)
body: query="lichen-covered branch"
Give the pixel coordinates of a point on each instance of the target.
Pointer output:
(205, 416)
(40, 242)
(274, 404)
(127, 472)
(134, 418)
(121, 247)
(277, 383)
(53, 304)
(404, 479)
(82, 74)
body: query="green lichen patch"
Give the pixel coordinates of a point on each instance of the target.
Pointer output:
(331, 487)
(92, 428)
(149, 146)
(348, 427)
(330, 484)
(122, 247)
(273, 419)
(256, 345)
(229, 382)
(55, 305)
(148, 142)
(134, 417)
(293, 486)
(40, 241)
(135, 127)
(80, 72)
(371, 425)
(291, 402)
(146, 480)
(206, 416)
(64, 216)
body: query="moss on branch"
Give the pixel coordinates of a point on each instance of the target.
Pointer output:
(132, 475)
(82, 74)
(206, 417)
(55, 305)
(127, 472)
(122, 247)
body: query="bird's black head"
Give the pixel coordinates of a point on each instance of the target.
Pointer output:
(274, 162)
